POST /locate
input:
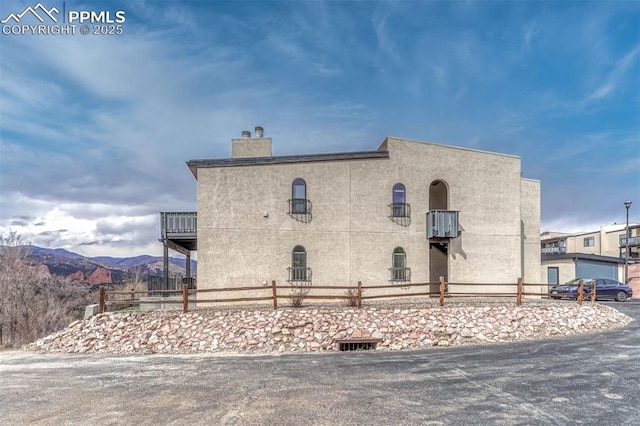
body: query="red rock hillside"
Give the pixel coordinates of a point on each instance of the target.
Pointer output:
(41, 271)
(100, 276)
(76, 276)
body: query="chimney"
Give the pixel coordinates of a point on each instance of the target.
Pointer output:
(248, 147)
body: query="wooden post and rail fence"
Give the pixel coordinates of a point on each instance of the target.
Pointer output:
(353, 296)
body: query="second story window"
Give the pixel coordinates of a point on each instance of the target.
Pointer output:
(299, 204)
(589, 241)
(299, 196)
(400, 209)
(399, 200)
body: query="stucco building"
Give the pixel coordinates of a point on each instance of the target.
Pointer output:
(601, 253)
(407, 212)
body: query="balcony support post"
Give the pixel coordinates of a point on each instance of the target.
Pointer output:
(187, 267)
(166, 263)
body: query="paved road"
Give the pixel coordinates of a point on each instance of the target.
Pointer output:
(593, 379)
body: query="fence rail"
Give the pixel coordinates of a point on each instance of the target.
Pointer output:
(354, 295)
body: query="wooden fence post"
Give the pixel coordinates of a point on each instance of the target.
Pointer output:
(101, 299)
(580, 291)
(519, 296)
(593, 290)
(185, 298)
(441, 291)
(359, 294)
(274, 291)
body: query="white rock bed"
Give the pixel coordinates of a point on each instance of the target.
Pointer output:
(312, 329)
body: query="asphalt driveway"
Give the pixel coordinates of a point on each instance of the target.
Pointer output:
(589, 379)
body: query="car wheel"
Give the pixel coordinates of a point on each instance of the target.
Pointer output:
(622, 296)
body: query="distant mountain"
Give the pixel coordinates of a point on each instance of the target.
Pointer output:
(132, 262)
(103, 269)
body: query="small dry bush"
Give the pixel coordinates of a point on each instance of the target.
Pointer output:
(351, 298)
(297, 296)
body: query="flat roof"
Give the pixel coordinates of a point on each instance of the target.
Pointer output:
(461, 148)
(194, 165)
(582, 256)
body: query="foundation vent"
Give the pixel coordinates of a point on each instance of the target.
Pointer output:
(357, 344)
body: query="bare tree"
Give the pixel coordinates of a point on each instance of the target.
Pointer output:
(32, 306)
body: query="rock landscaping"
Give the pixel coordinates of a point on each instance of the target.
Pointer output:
(317, 328)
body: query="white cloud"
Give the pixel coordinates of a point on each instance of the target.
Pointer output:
(95, 131)
(614, 78)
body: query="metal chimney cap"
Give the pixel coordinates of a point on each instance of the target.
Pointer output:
(246, 134)
(259, 131)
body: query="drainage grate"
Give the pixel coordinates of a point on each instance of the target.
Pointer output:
(357, 344)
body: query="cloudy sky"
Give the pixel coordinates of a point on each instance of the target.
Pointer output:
(95, 129)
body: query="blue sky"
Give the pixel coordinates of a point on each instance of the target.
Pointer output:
(95, 130)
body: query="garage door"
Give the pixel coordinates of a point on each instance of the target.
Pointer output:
(590, 268)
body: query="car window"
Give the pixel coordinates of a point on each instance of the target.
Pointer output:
(613, 283)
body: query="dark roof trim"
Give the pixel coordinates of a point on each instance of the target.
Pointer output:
(194, 165)
(583, 256)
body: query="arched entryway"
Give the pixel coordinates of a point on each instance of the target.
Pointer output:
(438, 247)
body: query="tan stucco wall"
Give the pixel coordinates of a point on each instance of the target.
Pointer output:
(610, 245)
(245, 234)
(251, 147)
(575, 244)
(530, 217)
(566, 269)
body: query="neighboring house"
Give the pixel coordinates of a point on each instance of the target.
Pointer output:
(584, 254)
(408, 212)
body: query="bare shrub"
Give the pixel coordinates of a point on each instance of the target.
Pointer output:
(32, 306)
(297, 296)
(133, 288)
(351, 298)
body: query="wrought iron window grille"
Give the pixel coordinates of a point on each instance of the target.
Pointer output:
(299, 275)
(400, 275)
(301, 209)
(400, 213)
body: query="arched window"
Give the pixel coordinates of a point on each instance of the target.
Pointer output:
(299, 196)
(399, 265)
(298, 269)
(399, 201)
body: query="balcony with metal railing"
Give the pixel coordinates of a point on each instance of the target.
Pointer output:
(554, 250)
(180, 228)
(443, 224)
(633, 241)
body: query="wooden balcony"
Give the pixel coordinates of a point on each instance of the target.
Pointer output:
(179, 229)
